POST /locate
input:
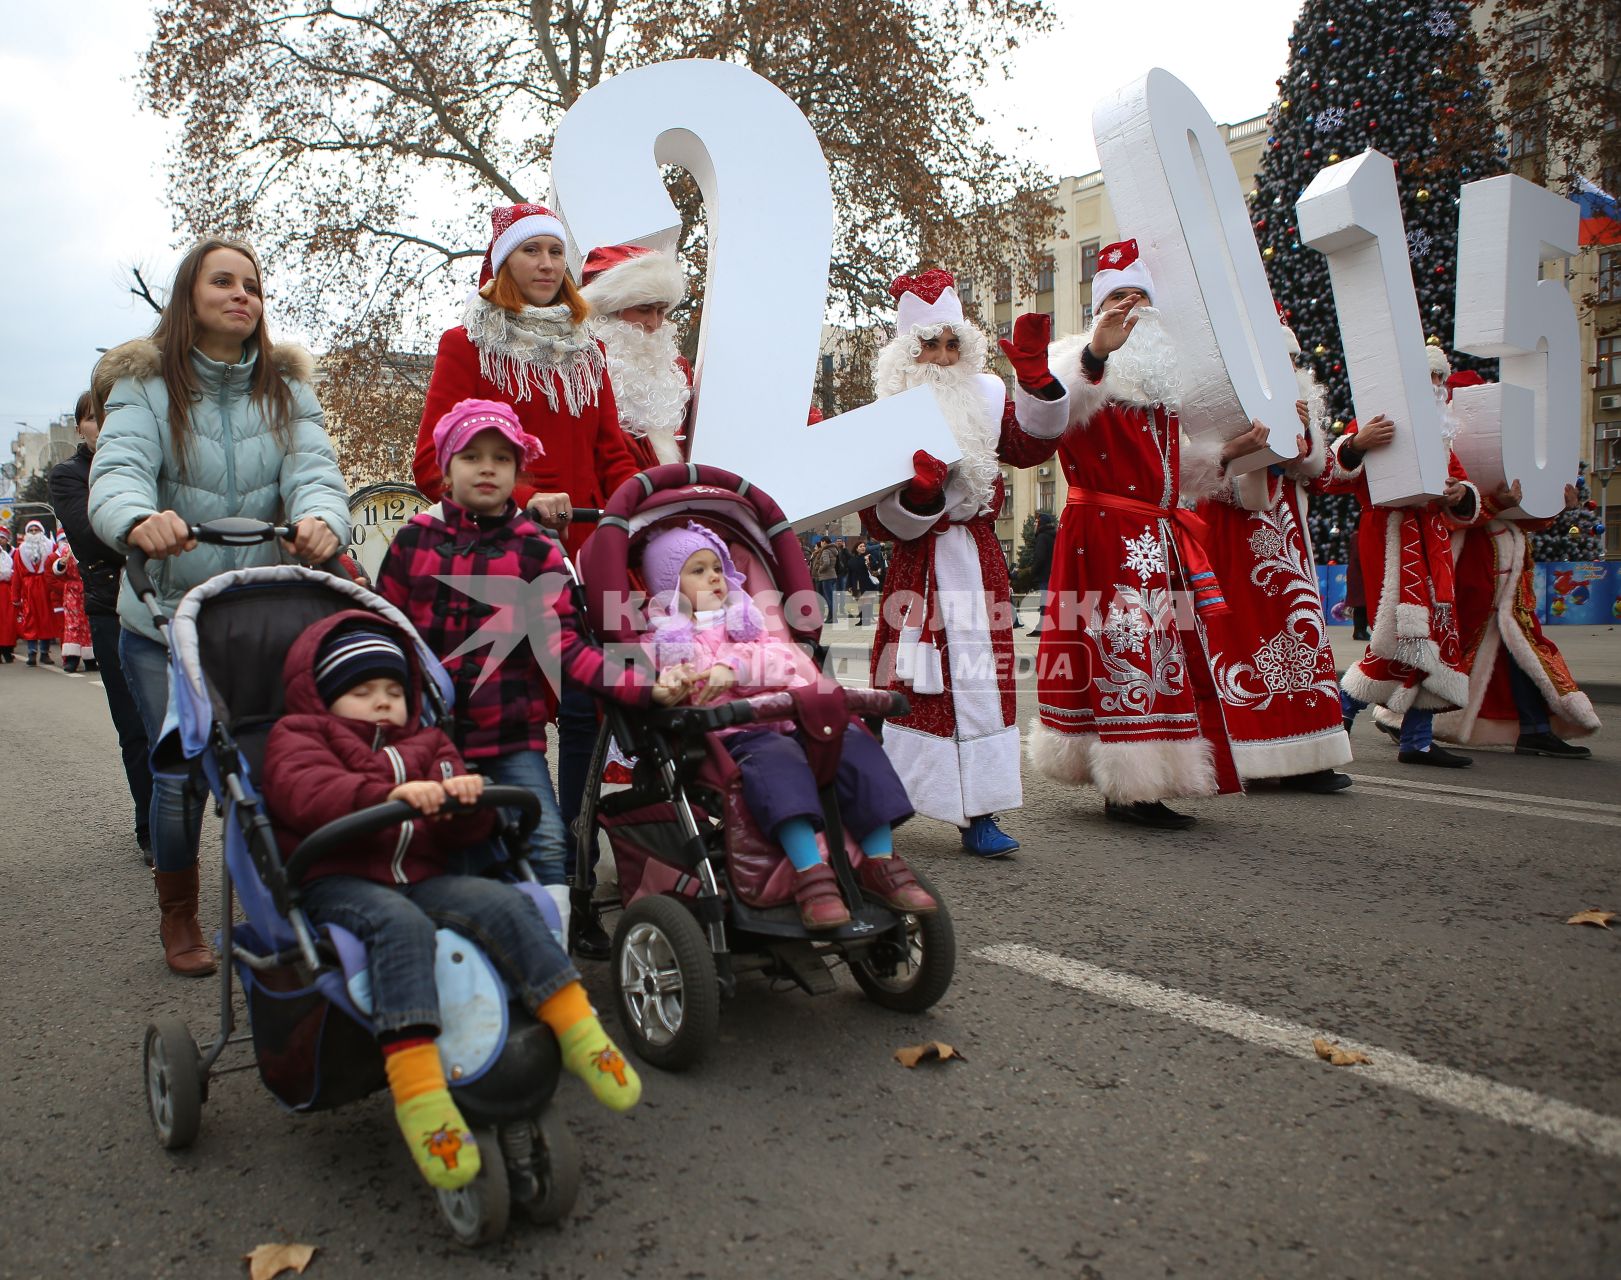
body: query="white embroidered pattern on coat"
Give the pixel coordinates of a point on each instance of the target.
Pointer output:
(1144, 556)
(1125, 629)
(1288, 662)
(1124, 687)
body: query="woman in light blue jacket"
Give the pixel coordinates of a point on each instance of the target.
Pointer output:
(207, 419)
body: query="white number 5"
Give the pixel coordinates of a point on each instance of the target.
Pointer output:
(769, 208)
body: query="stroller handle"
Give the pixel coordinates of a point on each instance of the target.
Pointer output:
(774, 706)
(379, 817)
(227, 531)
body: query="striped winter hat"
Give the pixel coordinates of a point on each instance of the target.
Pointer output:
(354, 655)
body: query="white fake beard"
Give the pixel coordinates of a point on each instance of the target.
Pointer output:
(977, 433)
(650, 388)
(1315, 395)
(1451, 424)
(1143, 371)
(35, 549)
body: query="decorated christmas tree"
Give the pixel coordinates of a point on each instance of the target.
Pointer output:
(1404, 80)
(1578, 534)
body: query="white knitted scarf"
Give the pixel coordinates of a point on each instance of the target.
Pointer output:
(519, 353)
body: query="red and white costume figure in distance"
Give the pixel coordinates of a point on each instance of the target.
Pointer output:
(1413, 665)
(76, 643)
(1520, 689)
(1270, 653)
(630, 290)
(37, 620)
(8, 601)
(1126, 698)
(945, 629)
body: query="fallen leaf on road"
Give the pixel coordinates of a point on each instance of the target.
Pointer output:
(1593, 916)
(269, 1260)
(1337, 1057)
(933, 1051)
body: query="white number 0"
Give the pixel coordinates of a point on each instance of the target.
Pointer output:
(742, 139)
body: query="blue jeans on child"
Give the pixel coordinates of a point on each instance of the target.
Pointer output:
(548, 843)
(178, 801)
(398, 924)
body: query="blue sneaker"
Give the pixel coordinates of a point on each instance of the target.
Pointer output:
(984, 839)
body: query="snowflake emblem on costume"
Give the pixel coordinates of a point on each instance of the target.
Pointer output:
(1144, 556)
(1418, 242)
(1266, 542)
(1442, 24)
(1284, 664)
(1330, 118)
(1125, 629)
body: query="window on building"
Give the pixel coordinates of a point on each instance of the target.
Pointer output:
(1004, 284)
(1005, 329)
(1086, 315)
(1046, 496)
(1044, 275)
(1609, 276)
(1607, 444)
(1530, 44)
(1609, 363)
(965, 292)
(1089, 260)
(1527, 134)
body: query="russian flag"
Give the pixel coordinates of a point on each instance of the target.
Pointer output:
(1601, 213)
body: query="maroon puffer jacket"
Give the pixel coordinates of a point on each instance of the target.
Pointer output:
(319, 767)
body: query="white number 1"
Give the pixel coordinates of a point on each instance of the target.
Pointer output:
(769, 209)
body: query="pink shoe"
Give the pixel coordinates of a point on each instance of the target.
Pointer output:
(816, 890)
(891, 881)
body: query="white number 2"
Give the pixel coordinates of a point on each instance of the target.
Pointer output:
(769, 210)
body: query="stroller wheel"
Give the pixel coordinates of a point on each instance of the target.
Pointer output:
(665, 984)
(912, 978)
(557, 1166)
(477, 1213)
(174, 1084)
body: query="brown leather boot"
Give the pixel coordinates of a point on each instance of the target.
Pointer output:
(182, 937)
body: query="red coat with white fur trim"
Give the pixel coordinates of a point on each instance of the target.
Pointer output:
(957, 750)
(1270, 654)
(1414, 658)
(1123, 686)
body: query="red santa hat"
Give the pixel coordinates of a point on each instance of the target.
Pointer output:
(1120, 267)
(1291, 340)
(510, 226)
(1462, 378)
(618, 276)
(928, 299)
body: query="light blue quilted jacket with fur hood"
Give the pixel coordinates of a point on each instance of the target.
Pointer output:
(235, 467)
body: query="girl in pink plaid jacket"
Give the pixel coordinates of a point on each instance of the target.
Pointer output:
(503, 700)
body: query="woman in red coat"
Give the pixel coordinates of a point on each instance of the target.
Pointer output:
(523, 341)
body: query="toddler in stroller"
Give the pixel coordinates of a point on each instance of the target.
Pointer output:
(707, 632)
(353, 737)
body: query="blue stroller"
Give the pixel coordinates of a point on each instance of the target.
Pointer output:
(306, 989)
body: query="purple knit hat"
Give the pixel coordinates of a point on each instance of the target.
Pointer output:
(669, 549)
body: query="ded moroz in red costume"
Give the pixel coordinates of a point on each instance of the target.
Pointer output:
(1270, 654)
(31, 579)
(945, 630)
(1500, 634)
(8, 603)
(1123, 682)
(1414, 659)
(652, 380)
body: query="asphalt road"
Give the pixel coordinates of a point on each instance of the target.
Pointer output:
(1132, 1008)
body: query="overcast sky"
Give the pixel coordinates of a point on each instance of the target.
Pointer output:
(82, 192)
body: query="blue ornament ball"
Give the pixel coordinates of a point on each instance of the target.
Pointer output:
(1335, 43)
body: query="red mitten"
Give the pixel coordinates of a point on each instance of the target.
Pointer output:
(927, 488)
(1027, 353)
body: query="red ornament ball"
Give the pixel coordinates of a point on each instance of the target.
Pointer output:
(1306, 154)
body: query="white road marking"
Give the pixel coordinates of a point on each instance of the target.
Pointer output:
(1545, 808)
(1560, 801)
(1505, 1103)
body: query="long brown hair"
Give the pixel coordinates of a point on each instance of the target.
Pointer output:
(176, 335)
(503, 291)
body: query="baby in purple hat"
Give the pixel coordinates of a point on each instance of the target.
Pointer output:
(708, 635)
